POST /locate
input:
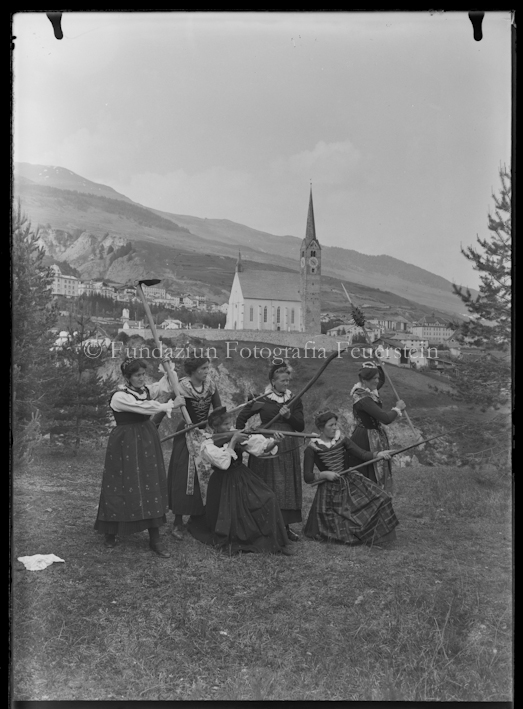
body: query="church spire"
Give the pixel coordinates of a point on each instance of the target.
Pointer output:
(239, 264)
(310, 231)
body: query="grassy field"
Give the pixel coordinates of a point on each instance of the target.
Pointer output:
(427, 619)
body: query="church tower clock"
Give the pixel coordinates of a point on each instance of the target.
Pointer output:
(310, 276)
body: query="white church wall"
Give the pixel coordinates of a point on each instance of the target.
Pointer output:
(234, 320)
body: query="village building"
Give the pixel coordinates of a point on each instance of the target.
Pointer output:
(64, 285)
(391, 322)
(349, 331)
(172, 324)
(432, 329)
(276, 300)
(411, 352)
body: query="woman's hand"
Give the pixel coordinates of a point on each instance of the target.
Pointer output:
(278, 435)
(168, 407)
(400, 405)
(285, 412)
(238, 437)
(329, 475)
(386, 455)
(178, 401)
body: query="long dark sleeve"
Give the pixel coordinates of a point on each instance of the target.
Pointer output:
(308, 465)
(296, 419)
(353, 449)
(371, 407)
(216, 401)
(244, 415)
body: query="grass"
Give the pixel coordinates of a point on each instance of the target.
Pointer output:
(427, 619)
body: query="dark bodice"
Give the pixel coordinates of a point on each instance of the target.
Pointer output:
(335, 459)
(198, 409)
(369, 413)
(267, 409)
(124, 418)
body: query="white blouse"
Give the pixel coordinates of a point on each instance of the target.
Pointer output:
(124, 401)
(221, 457)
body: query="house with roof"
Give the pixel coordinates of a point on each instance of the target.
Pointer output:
(63, 284)
(403, 351)
(171, 324)
(279, 300)
(264, 300)
(391, 322)
(432, 329)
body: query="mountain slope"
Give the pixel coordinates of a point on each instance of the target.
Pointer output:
(63, 201)
(64, 179)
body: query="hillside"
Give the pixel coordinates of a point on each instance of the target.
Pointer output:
(185, 249)
(64, 179)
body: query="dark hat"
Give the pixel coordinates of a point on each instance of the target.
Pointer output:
(216, 414)
(368, 370)
(321, 417)
(131, 365)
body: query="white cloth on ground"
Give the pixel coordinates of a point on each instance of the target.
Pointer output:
(37, 562)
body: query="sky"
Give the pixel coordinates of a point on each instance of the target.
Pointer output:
(399, 120)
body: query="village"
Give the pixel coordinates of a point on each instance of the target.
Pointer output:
(263, 304)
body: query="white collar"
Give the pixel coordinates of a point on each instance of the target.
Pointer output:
(359, 391)
(276, 396)
(318, 443)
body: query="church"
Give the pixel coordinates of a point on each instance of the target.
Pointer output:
(277, 300)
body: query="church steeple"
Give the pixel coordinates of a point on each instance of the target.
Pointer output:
(310, 230)
(310, 276)
(239, 264)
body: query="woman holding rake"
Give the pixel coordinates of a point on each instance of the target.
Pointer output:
(371, 420)
(347, 508)
(183, 479)
(134, 485)
(281, 473)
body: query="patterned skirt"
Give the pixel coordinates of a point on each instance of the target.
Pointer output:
(179, 501)
(134, 485)
(353, 511)
(374, 440)
(282, 474)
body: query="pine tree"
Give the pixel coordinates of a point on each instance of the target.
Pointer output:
(33, 314)
(80, 408)
(491, 309)
(486, 380)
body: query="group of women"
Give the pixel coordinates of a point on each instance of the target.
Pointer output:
(242, 491)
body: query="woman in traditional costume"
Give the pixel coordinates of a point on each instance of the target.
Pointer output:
(134, 484)
(346, 508)
(241, 512)
(281, 473)
(187, 472)
(371, 420)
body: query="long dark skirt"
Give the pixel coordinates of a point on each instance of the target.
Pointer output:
(179, 501)
(241, 514)
(374, 440)
(353, 511)
(282, 474)
(134, 485)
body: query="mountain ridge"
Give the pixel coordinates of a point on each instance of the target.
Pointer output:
(103, 212)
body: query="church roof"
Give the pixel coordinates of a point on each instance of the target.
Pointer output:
(310, 230)
(270, 285)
